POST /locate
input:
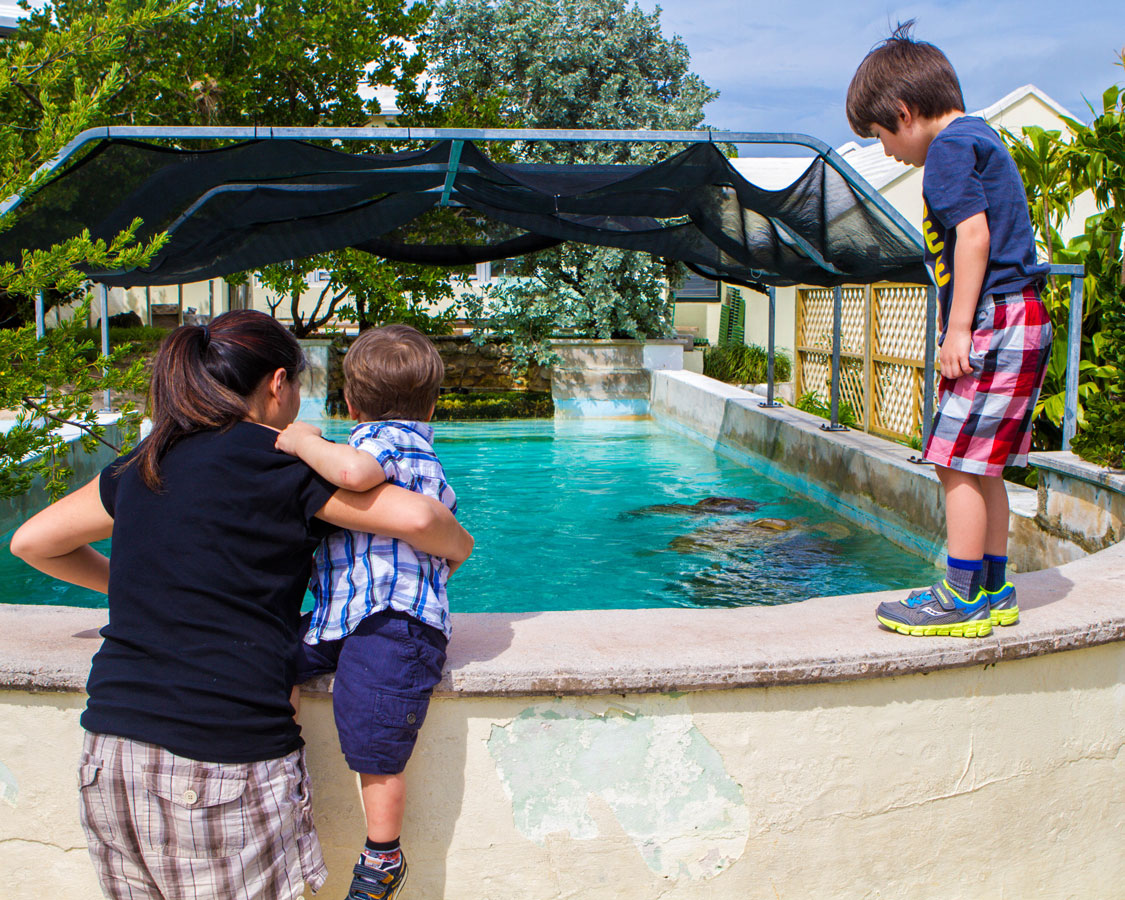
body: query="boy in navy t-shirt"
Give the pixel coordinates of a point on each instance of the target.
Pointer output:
(995, 332)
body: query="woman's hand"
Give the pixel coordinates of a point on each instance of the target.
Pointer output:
(954, 358)
(391, 511)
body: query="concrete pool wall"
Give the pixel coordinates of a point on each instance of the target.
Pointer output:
(796, 751)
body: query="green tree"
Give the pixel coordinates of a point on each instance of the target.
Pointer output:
(50, 90)
(602, 64)
(281, 63)
(1097, 156)
(1055, 171)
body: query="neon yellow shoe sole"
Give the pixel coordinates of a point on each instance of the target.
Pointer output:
(976, 628)
(1005, 616)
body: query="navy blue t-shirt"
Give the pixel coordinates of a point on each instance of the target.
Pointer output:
(206, 579)
(970, 171)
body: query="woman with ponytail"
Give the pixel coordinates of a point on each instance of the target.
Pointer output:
(192, 777)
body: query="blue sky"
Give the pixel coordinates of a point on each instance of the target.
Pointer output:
(785, 65)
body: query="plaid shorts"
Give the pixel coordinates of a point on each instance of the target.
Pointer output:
(983, 421)
(166, 827)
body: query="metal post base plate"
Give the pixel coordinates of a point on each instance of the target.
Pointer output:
(774, 405)
(830, 427)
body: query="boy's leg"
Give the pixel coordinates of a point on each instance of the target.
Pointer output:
(955, 605)
(384, 803)
(387, 671)
(1001, 592)
(966, 513)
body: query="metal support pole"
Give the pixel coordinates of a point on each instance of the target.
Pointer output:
(40, 324)
(837, 328)
(1073, 357)
(930, 357)
(772, 293)
(103, 311)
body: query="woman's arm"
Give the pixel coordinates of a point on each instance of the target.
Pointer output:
(423, 522)
(57, 540)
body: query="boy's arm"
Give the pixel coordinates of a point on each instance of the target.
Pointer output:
(970, 263)
(340, 464)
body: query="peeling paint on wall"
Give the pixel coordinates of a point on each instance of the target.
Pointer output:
(9, 787)
(664, 782)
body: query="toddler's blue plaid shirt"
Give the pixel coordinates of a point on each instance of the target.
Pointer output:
(359, 574)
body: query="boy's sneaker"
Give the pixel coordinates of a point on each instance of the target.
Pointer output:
(1002, 605)
(378, 876)
(937, 610)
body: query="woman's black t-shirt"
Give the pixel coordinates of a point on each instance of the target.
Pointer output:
(206, 579)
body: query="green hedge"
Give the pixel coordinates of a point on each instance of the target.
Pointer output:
(745, 364)
(498, 405)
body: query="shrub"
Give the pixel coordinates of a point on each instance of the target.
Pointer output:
(744, 364)
(811, 402)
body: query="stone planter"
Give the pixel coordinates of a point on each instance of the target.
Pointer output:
(1080, 501)
(609, 378)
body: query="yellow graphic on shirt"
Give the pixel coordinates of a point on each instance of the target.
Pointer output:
(929, 232)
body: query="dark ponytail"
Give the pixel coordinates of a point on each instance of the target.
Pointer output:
(203, 376)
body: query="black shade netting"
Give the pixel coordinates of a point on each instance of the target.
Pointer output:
(241, 207)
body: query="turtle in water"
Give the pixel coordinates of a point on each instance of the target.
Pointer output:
(708, 506)
(730, 535)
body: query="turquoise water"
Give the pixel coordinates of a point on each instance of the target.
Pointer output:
(558, 510)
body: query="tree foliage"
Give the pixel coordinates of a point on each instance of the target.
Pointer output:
(599, 64)
(1055, 172)
(50, 90)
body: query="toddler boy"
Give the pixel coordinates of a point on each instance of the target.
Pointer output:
(381, 620)
(995, 332)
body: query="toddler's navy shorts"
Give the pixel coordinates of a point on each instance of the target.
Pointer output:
(386, 671)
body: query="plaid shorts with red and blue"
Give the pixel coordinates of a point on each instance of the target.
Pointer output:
(983, 421)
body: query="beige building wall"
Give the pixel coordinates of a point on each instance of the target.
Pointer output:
(701, 316)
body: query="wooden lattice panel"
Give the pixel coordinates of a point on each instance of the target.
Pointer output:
(816, 375)
(814, 319)
(816, 371)
(894, 405)
(814, 324)
(900, 321)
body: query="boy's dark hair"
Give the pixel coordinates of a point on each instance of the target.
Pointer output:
(393, 372)
(902, 69)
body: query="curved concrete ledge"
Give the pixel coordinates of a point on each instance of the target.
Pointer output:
(1076, 605)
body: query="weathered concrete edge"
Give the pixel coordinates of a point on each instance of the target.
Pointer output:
(831, 639)
(1067, 463)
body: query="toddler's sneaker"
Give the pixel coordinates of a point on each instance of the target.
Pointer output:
(1002, 605)
(937, 610)
(378, 876)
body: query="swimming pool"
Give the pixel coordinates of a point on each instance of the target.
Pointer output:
(602, 514)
